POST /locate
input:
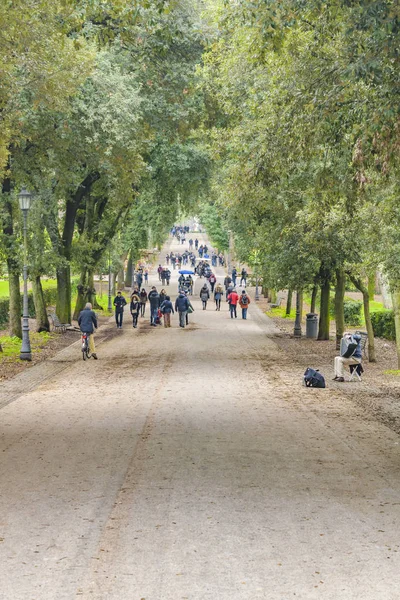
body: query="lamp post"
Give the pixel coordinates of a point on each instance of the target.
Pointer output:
(25, 199)
(297, 323)
(257, 295)
(109, 306)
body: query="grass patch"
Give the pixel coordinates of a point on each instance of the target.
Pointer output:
(392, 372)
(12, 345)
(281, 312)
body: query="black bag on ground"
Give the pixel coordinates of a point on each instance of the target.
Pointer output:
(313, 378)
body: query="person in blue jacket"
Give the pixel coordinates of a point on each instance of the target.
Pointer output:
(181, 307)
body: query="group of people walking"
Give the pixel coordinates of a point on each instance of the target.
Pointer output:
(233, 299)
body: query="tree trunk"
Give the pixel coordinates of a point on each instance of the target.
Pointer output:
(63, 304)
(128, 274)
(121, 280)
(367, 315)
(339, 309)
(14, 323)
(272, 296)
(368, 325)
(396, 309)
(114, 282)
(323, 330)
(314, 298)
(91, 291)
(42, 320)
(81, 295)
(371, 285)
(289, 302)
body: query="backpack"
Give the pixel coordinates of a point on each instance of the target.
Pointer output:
(244, 300)
(348, 346)
(313, 378)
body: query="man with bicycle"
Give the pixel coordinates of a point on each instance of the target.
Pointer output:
(87, 322)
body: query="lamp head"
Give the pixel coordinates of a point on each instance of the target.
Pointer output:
(25, 199)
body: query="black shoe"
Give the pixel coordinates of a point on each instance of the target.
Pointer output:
(94, 356)
(340, 379)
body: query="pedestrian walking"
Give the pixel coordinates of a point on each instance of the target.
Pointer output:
(146, 276)
(135, 309)
(166, 309)
(243, 277)
(159, 271)
(163, 295)
(119, 303)
(244, 302)
(181, 307)
(167, 275)
(227, 282)
(154, 300)
(189, 310)
(204, 295)
(212, 281)
(139, 279)
(143, 301)
(234, 275)
(218, 293)
(233, 299)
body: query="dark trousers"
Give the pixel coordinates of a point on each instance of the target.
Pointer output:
(232, 308)
(218, 304)
(135, 318)
(212, 283)
(142, 309)
(244, 313)
(119, 315)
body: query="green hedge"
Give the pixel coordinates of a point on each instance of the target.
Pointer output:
(352, 311)
(383, 324)
(50, 296)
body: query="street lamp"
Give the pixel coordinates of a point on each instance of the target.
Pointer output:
(109, 306)
(25, 199)
(297, 323)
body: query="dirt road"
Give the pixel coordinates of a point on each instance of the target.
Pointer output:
(191, 464)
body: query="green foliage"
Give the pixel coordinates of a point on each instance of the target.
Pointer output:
(215, 228)
(352, 311)
(383, 324)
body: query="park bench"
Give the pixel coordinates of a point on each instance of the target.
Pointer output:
(364, 340)
(58, 327)
(278, 302)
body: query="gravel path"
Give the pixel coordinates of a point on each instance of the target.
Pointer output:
(191, 464)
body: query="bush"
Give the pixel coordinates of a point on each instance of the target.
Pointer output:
(383, 324)
(352, 311)
(3, 311)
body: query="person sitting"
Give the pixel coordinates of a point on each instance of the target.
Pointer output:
(350, 354)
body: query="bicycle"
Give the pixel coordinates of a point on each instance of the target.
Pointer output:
(85, 346)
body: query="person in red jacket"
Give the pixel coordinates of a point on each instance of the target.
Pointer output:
(233, 299)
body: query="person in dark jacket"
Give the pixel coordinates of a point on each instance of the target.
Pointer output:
(135, 308)
(87, 322)
(163, 295)
(166, 309)
(154, 300)
(182, 306)
(204, 295)
(119, 303)
(143, 301)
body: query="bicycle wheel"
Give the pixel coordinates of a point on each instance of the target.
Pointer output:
(88, 353)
